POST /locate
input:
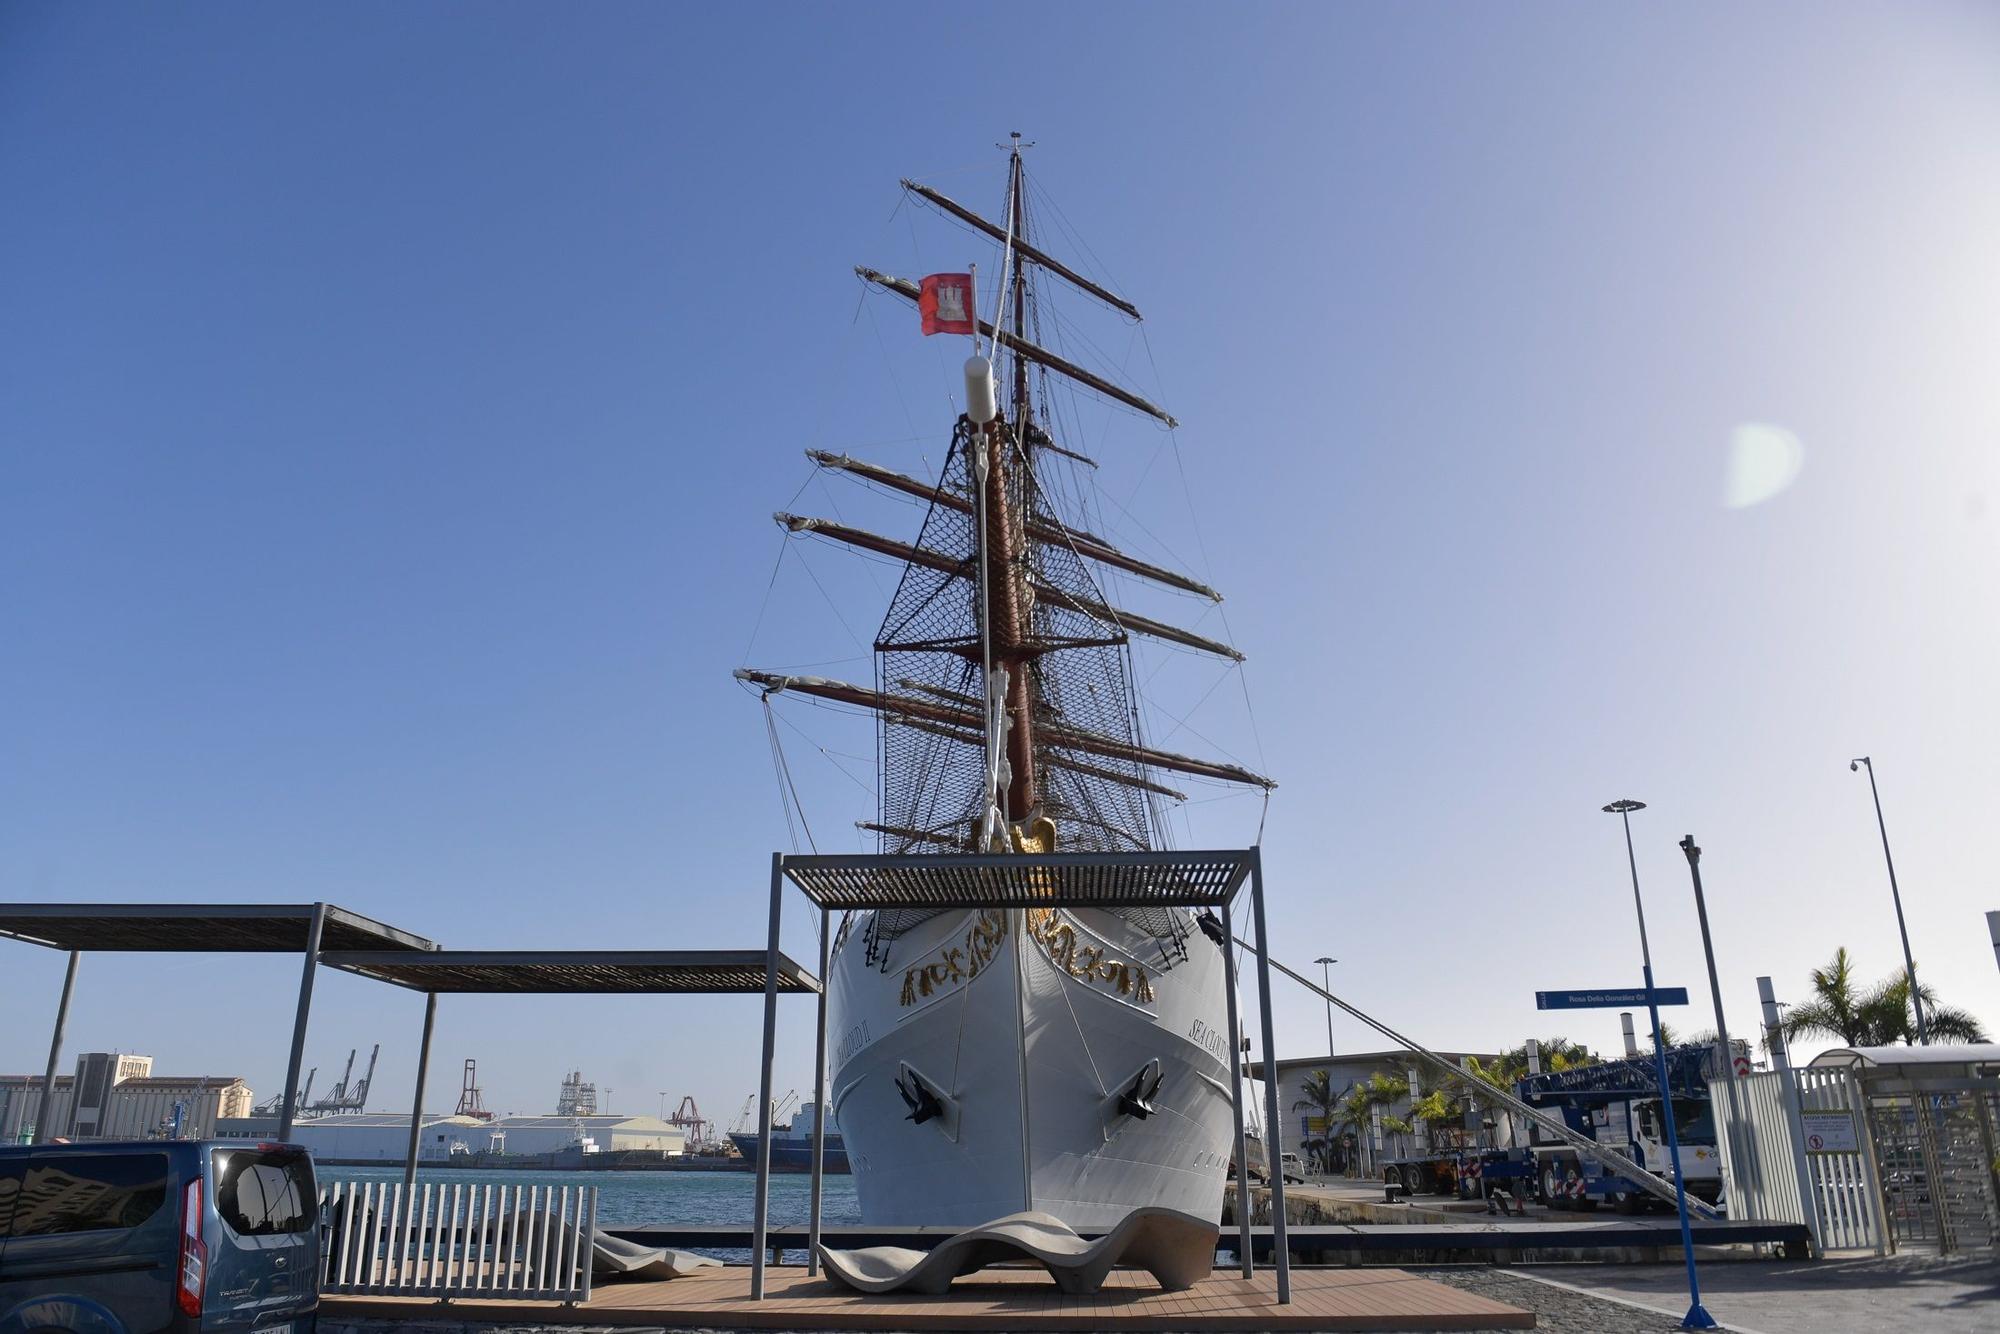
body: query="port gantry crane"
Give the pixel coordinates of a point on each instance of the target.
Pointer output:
(689, 1118)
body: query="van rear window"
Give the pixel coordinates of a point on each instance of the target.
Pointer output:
(265, 1192)
(87, 1193)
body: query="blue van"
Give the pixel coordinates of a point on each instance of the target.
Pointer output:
(137, 1236)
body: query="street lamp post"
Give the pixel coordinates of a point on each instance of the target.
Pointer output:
(1728, 1053)
(1696, 1317)
(1909, 963)
(1326, 985)
(1326, 980)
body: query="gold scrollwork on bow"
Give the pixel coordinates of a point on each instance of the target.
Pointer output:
(957, 963)
(1088, 962)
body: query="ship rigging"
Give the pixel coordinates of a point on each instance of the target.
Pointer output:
(1007, 719)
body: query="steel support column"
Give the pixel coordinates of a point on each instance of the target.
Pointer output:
(1857, 1102)
(762, 1207)
(1274, 1141)
(819, 1095)
(1738, 1158)
(291, 1104)
(46, 1112)
(417, 1103)
(1244, 1199)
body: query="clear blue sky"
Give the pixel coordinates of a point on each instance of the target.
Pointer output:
(393, 400)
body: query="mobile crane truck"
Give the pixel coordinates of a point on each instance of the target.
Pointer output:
(1615, 1103)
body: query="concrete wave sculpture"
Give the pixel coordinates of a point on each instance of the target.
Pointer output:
(1178, 1249)
(614, 1257)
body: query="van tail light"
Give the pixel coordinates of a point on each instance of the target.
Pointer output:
(194, 1252)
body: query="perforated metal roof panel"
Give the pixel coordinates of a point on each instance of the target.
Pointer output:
(578, 972)
(230, 928)
(1023, 880)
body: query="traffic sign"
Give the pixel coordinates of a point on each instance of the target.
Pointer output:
(1608, 999)
(1830, 1132)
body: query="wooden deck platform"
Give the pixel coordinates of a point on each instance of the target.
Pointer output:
(1476, 1238)
(997, 1300)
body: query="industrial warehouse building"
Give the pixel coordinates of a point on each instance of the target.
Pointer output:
(384, 1137)
(546, 1134)
(120, 1098)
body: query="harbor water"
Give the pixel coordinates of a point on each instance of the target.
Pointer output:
(640, 1199)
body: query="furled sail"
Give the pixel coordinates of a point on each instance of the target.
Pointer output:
(951, 715)
(1004, 675)
(1129, 621)
(1086, 544)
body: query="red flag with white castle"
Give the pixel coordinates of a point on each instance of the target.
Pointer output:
(945, 300)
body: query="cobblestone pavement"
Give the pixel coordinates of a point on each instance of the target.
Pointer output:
(1558, 1310)
(1905, 1294)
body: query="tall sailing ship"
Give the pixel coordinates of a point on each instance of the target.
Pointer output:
(1075, 1062)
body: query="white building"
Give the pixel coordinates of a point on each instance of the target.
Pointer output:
(1307, 1132)
(384, 1137)
(364, 1137)
(611, 1134)
(121, 1098)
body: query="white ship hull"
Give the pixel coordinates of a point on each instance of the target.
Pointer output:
(1028, 1027)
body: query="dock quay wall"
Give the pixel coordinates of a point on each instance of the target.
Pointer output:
(1362, 1232)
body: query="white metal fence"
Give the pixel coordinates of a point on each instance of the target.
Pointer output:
(1803, 1154)
(1842, 1172)
(445, 1240)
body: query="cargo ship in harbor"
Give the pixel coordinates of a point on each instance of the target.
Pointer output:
(791, 1143)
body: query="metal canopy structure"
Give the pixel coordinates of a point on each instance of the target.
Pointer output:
(570, 973)
(1017, 880)
(1205, 879)
(223, 928)
(577, 972)
(196, 928)
(1962, 1058)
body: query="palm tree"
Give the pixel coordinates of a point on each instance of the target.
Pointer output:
(1476, 1072)
(1476, 1077)
(1892, 1019)
(1557, 1054)
(1436, 1108)
(1317, 1095)
(1353, 1119)
(1386, 1091)
(1881, 1016)
(1835, 1008)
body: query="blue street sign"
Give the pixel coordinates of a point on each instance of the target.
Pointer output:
(1608, 1000)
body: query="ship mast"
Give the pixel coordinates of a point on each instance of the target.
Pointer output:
(1003, 673)
(1005, 537)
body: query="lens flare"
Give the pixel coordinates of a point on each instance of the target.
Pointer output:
(1763, 461)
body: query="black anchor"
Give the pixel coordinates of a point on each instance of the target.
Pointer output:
(923, 1104)
(1138, 1100)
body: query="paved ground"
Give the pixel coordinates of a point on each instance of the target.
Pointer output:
(1343, 1189)
(1900, 1295)
(1904, 1295)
